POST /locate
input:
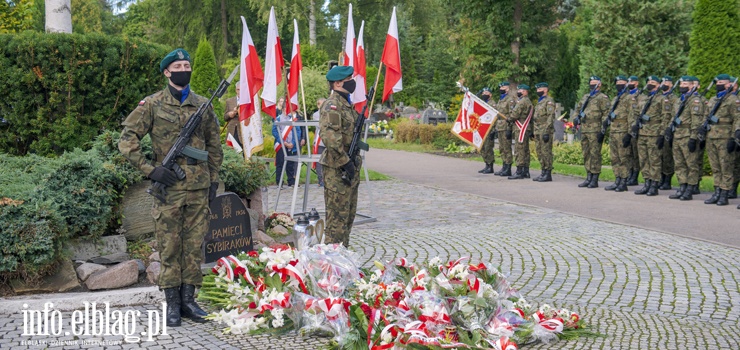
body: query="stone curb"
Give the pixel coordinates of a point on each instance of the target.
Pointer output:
(74, 301)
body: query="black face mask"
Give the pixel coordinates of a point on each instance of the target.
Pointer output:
(650, 87)
(592, 86)
(540, 93)
(620, 87)
(350, 85)
(519, 94)
(719, 88)
(665, 88)
(683, 90)
(632, 86)
(485, 98)
(502, 91)
(181, 79)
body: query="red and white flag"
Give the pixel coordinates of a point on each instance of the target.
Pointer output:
(233, 143)
(349, 42)
(250, 83)
(296, 66)
(475, 120)
(273, 66)
(358, 97)
(392, 60)
(316, 144)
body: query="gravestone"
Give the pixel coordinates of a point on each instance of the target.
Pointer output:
(230, 231)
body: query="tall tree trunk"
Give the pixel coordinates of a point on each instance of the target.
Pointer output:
(58, 16)
(515, 44)
(224, 29)
(312, 23)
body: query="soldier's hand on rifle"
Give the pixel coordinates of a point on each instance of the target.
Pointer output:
(730, 145)
(626, 140)
(692, 145)
(492, 136)
(212, 192)
(509, 134)
(660, 142)
(668, 134)
(702, 133)
(605, 124)
(577, 120)
(350, 169)
(164, 176)
(546, 138)
(635, 128)
(600, 137)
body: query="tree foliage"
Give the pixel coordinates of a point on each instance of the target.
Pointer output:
(205, 74)
(715, 39)
(16, 16)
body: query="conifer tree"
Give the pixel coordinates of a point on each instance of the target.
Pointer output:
(205, 73)
(715, 40)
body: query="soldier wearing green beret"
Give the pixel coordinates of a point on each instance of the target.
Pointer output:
(649, 137)
(668, 100)
(521, 117)
(633, 84)
(595, 114)
(684, 135)
(621, 157)
(486, 150)
(720, 143)
(505, 106)
(736, 135)
(181, 223)
(337, 124)
(544, 117)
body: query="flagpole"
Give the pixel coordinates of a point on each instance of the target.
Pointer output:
(375, 86)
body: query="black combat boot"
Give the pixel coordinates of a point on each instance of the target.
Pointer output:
(518, 174)
(715, 197)
(172, 297)
(679, 192)
(587, 181)
(645, 188)
(484, 169)
(666, 184)
(653, 189)
(613, 186)
(189, 308)
(621, 186)
(732, 194)
(547, 177)
(542, 174)
(506, 171)
(488, 169)
(687, 195)
(632, 179)
(594, 181)
(697, 188)
(525, 172)
(723, 198)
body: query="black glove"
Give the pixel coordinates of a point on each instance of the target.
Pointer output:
(492, 135)
(600, 137)
(635, 129)
(702, 134)
(626, 140)
(605, 124)
(730, 145)
(660, 142)
(509, 134)
(531, 136)
(546, 138)
(702, 144)
(692, 145)
(212, 192)
(164, 176)
(577, 121)
(668, 134)
(737, 134)
(349, 168)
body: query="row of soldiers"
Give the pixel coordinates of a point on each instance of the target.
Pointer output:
(651, 130)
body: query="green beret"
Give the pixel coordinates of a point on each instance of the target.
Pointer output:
(686, 78)
(732, 78)
(652, 77)
(522, 87)
(693, 78)
(723, 77)
(594, 77)
(486, 89)
(633, 78)
(542, 84)
(667, 78)
(503, 83)
(338, 73)
(620, 77)
(176, 55)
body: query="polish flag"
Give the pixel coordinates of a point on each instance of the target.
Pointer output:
(296, 66)
(475, 120)
(392, 60)
(349, 42)
(358, 97)
(250, 83)
(233, 143)
(273, 67)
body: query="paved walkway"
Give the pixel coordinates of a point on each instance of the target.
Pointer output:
(643, 288)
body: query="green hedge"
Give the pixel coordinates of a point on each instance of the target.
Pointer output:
(62, 90)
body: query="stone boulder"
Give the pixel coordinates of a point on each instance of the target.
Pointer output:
(117, 276)
(154, 257)
(82, 249)
(110, 259)
(85, 270)
(152, 272)
(64, 280)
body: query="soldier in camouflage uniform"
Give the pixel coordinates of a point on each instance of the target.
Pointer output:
(633, 85)
(486, 150)
(181, 223)
(684, 135)
(736, 173)
(720, 141)
(544, 116)
(504, 131)
(650, 140)
(337, 123)
(621, 157)
(521, 117)
(668, 101)
(595, 114)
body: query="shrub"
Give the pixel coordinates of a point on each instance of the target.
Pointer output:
(443, 135)
(571, 153)
(239, 176)
(426, 133)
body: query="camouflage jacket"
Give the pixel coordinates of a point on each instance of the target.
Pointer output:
(668, 103)
(162, 116)
(521, 112)
(622, 121)
(691, 117)
(652, 121)
(596, 112)
(337, 123)
(727, 114)
(505, 106)
(544, 115)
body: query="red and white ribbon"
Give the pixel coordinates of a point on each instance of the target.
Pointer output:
(523, 126)
(504, 343)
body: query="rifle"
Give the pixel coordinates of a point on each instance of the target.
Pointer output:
(711, 118)
(677, 118)
(612, 116)
(181, 148)
(356, 145)
(581, 113)
(638, 122)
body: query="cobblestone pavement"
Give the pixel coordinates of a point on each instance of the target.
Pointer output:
(642, 289)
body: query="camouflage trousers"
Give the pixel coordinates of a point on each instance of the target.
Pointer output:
(179, 227)
(544, 151)
(635, 156)
(341, 205)
(686, 166)
(736, 173)
(621, 157)
(522, 150)
(504, 147)
(650, 157)
(668, 165)
(591, 149)
(486, 150)
(723, 163)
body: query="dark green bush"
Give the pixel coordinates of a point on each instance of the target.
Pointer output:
(443, 135)
(571, 153)
(61, 90)
(239, 176)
